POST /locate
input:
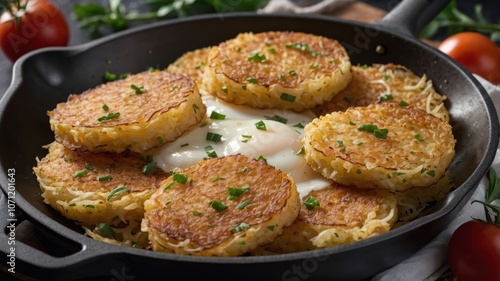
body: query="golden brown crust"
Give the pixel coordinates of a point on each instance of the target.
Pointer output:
(345, 214)
(416, 152)
(257, 69)
(148, 109)
(371, 84)
(183, 213)
(78, 184)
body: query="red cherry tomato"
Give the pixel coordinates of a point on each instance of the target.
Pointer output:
(40, 24)
(474, 251)
(476, 52)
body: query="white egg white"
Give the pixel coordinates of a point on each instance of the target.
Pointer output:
(239, 133)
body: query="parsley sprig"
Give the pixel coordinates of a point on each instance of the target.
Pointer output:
(99, 19)
(455, 21)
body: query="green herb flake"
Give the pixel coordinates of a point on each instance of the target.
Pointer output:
(234, 192)
(108, 76)
(272, 51)
(257, 58)
(217, 116)
(403, 103)
(431, 173)
(216, 179)
(358, 171)
(149, 168)
(217, 205)
(301, 151)
(105, 230)
(244, 87)
(270, 227)
(262, 158)
(180, 178)
(224, 89)
(368, 128)
(386, 97)
(311, 203)
(299, 125)
(184, 145)
(105, 107)
(287, 97)
(240, 227)
(105, 178)
(139, 90)
(340, 143)
(419, 137)
(119, 190)
(196, 213)
(261, 125)
(90, 167)
(314, 66)
(281, 75)
(243, 204)
(252, 80)
(209, 150)
(108, 117)
(277, 118)
(386, 77)
(213, 137)
(195, 108)
(81, 173)
(381, 134)
(292, 72)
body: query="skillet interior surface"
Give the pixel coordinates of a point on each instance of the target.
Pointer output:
(46, 78)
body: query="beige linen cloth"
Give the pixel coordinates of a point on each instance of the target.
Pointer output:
(430, 262)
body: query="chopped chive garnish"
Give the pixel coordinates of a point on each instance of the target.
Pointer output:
(299, 46)
(213, 137)
(277, 118)
(105, 230)
(419, 137)
(237, 191)
(403, 103)
(240, 227)
(72, 204)
(184, 145)
(120, 189)
(89, 206)
(138, 89)
(217, 205)
(196, 213)
(272, 51)
(80, 173)
(261, 125)
(195, 108)
(217, 116)
(301, 151)
(149, 168)
(110, 116)
(258, 58)
(180, 178)
(381, 134)
(281, 75)
(262, 158)
(431, 173)
(311, 203)
(287, 97)
(243, 204)
(244, 86)
(224, 89)
(105, 178)
(314, 66)
(252, 80)
(385, 97)
(105, 107)
(210, 151)
(108, 76)
(159, 140)
(340, 143)
(386, 77)
(292, 72)
(299, 125)
(358, 171)
(217, 178)
(270, 227)
(90, 167)
(368, 128)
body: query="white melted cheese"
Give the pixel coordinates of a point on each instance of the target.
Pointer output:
(278, 144)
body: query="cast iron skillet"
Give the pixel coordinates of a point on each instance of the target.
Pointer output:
(44, 78)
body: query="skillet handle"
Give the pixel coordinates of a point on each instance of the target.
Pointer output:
(24, 259)
(410, 16)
